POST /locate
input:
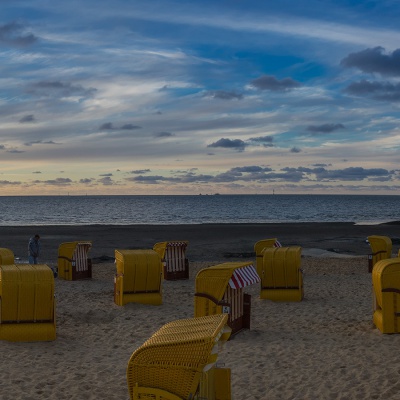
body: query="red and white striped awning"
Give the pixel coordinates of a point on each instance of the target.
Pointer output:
(244, 276)
(277, 244)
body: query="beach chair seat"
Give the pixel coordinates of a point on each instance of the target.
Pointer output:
(138, 278)
(386, 286)
(178, 361)
(259, 247)
(6, 256)
(381, 247)
(27, 305)
(281, 275)
(73, 261)
(173, 255)
(220, 289)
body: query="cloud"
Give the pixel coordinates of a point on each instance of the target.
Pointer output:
(107, 126)
(163, 134)
(269, 82)
(86, 180)
(11, 34)
(60, 89)
(130, 127)
(266, 141)
(40, 142)
(237, 144)
(224, 95)
(36, 172)
(374, 60)
(2, 147)
(140, 171)
(27, 118)
(106, 175)
(15, 151)
(324, 128)
(56, 182)
(295, 150)
(7, 183)
(106, 181)
(383, 91)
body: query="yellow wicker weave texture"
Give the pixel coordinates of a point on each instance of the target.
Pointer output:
(213, 281)
(175, 356)
(6, 256)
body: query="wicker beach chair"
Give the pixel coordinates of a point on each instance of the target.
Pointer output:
(6, 256)
(73, 261)
(27, 305)
(386, 286)
(260, 246)
(173, 255)
(220, 289)
(281, 275)
(178, 361)
(381, 247)
(138, 278)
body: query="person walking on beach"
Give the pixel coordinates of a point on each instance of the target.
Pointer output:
(34, 249)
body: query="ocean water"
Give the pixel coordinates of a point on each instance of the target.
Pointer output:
(128, 210)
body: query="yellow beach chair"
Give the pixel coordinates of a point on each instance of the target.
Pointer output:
(281, 275)
(73, 261)
(381, 247)
(259, 247)
(220, 289)
(27, 305)
(138, 278)
(173, 255)
(386, 286)
(178, 362)
(6, 256)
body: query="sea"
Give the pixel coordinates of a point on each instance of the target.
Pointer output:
(196, 209)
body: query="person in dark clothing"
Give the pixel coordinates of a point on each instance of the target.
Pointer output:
(34, 249)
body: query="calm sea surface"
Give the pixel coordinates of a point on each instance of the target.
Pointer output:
(127, 210)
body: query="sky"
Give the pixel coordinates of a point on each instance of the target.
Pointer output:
(199, 97)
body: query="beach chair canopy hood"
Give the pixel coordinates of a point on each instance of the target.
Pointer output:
(175, 357)
(214, 280)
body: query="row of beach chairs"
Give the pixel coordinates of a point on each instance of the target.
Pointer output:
(179, 360)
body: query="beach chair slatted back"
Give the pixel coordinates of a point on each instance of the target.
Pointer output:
(281, 275)
(220, 289)
(172, 362)
(6, 256)
(73, 261)
(27, 306)
(381, 247)
(386, 285)
(173, 254)
(138, 278)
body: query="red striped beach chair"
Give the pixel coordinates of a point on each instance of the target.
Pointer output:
(220, 289)
(73, 261)
(173, 256)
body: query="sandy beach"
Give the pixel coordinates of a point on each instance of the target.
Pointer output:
(324, 347)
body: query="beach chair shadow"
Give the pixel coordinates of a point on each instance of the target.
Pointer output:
(138, 278)
(386, 287)
(173, 255)
(27, 305)
(381, 247)
(6, 256)
(220, 289)
(178, 362)
(281, 275)
(73, 261)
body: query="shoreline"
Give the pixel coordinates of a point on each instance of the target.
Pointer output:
(206, 241)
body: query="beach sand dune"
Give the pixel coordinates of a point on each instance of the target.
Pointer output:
(324, 347)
